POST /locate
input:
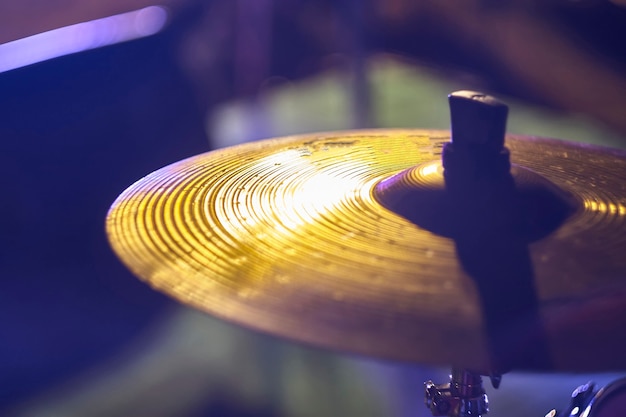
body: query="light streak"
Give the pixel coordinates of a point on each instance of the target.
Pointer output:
(82, 37)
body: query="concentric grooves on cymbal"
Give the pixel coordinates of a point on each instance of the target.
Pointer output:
(285, 236)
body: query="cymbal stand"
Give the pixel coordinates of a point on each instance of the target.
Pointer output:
(463, 396)
(476, 152)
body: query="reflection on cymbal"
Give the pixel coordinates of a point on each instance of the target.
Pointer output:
(286, 236)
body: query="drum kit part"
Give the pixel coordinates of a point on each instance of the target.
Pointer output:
(410, 245)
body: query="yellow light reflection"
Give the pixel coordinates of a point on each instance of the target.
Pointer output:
(304, 194)
(430, 169)
(602, 207)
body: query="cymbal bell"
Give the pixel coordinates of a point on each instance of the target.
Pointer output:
(286, 236)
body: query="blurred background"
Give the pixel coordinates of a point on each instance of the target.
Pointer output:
(95, 95)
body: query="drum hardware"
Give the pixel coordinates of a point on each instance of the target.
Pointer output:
(609, 401)
(478, 188)
(476, 158)
(477, 256)
(463, 396)
(475, 163)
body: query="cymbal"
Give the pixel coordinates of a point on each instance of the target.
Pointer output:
(288, 236)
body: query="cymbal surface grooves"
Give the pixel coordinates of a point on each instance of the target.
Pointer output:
(285, 236)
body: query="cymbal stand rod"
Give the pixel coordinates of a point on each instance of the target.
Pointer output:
(463, 396)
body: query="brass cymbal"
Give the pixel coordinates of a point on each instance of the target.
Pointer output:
(286, 236)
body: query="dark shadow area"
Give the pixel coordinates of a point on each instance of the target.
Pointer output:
(492, 246)
(74, 133)
(492, 220)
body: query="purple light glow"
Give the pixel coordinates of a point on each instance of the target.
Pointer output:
(81, 37)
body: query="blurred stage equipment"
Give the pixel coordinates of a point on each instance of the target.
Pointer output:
(563, 54)
(609, 401)
(415, 245)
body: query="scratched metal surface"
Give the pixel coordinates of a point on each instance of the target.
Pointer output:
(284, 236)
